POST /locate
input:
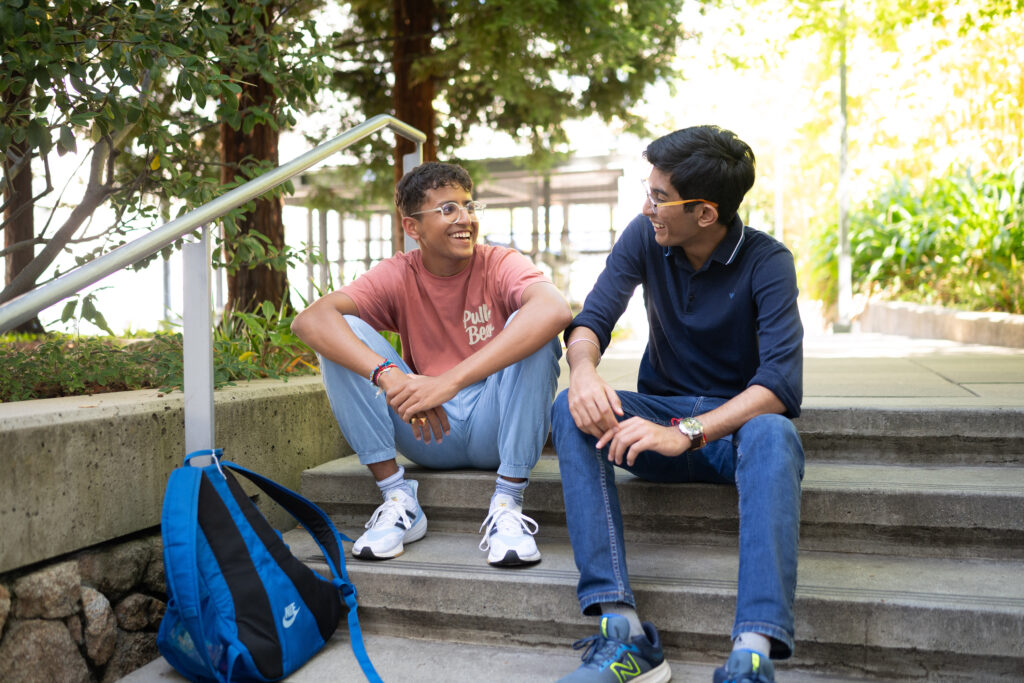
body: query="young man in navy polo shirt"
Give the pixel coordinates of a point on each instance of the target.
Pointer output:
(718, 383)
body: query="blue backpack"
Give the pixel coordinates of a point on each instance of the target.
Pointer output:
(240, 606)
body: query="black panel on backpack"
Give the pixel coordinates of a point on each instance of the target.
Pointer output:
(320, 597)
(257, 627)
(313, 522)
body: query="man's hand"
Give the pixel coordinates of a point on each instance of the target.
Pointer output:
(593, 403)
(418, 400)
(636, 435)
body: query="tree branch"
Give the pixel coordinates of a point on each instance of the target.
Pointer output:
(18, 246)
(96, 193)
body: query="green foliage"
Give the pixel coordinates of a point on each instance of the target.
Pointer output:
(147, 86)
(959, 242)
(84, 308)
(59, 365)
(521, 67)
(245, 346)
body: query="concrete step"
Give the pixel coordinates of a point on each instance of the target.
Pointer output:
(913, 434)
(937, 511)
(857, 615)
(417, 660)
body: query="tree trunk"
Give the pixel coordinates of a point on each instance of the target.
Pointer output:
(250, 287)
(19, 223)
(413, 100)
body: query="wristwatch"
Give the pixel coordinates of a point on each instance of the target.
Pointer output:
(691, 427)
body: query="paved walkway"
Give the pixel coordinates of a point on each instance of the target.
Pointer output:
(867, 369)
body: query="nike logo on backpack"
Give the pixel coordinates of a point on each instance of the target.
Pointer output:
(290, 612)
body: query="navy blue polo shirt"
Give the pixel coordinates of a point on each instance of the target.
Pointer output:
(715, 331)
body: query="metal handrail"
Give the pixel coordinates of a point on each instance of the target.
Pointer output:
(22, 308)
(197, 328)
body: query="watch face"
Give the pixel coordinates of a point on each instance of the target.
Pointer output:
(690, 426)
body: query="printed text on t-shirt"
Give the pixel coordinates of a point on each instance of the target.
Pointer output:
(478, 325)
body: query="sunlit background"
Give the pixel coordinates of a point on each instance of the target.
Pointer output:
(924, 96)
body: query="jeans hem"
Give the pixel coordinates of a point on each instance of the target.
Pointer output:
(375, 457)
(782, 641)
(595, 600)
(515, 471)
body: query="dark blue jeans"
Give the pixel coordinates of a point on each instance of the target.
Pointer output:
(764, 459)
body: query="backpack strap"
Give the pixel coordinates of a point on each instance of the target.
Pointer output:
(180, 528)
(323, 531)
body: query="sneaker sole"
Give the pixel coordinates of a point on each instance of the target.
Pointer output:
(512, 559)
(659, 674)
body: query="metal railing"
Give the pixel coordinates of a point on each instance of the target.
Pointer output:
(197, 308)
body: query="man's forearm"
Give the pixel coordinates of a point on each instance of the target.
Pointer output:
(730, 416)
(538, 321)
(325, 330)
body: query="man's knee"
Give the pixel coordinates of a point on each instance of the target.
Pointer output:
(776, 436)
(546, 357)
(360, 327)
(560, 408)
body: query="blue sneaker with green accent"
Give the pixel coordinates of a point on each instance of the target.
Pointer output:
(612, 656)
(746, 666)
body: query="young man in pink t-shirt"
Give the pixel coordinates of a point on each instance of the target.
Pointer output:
(478, 371)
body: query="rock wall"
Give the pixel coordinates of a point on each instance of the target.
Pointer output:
(90, 616)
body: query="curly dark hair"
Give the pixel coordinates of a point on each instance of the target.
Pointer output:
(412, 189)
(706, 162)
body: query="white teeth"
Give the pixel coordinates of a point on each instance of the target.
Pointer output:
(461, 235)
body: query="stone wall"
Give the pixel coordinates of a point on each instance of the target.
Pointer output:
(935, 322)
(84, 470)
(81, 569)
(90, 616)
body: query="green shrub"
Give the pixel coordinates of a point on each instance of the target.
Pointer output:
(959, 243)
(245, 346)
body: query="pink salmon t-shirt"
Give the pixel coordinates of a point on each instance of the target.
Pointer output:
(443, 320)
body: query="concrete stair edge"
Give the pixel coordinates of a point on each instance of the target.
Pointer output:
(843, 600)
(970, 511)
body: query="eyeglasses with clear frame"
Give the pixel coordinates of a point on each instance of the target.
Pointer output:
(452, 211)
(655, 204)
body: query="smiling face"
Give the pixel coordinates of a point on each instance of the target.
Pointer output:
(692, 226)
(674, 226)
(446, 247)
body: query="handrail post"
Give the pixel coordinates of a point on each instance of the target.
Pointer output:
(409, 162)
(197, 348)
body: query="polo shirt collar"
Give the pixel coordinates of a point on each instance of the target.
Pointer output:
(726, 250)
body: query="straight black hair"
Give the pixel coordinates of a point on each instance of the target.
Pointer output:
(706, 162)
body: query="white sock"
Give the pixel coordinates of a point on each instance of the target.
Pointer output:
(395, 481)
(753, 641)
(624, 610)
(514, 489)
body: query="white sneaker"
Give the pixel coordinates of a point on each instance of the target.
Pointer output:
(509, 534)
(399, 520)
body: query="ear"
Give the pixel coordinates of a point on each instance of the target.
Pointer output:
(707, 215)
(411, 226)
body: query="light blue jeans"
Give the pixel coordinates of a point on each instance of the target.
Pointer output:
(499, 423)
(764, 459)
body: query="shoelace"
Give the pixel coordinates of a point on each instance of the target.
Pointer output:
(388, 514)
(508, 521)
(598, 646)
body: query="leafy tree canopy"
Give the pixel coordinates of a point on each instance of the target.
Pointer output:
(522, 67)
(146, 84)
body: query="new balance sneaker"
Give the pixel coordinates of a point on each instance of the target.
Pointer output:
(746, 666)
(508, 534)
(399, 520)
(612, 656)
